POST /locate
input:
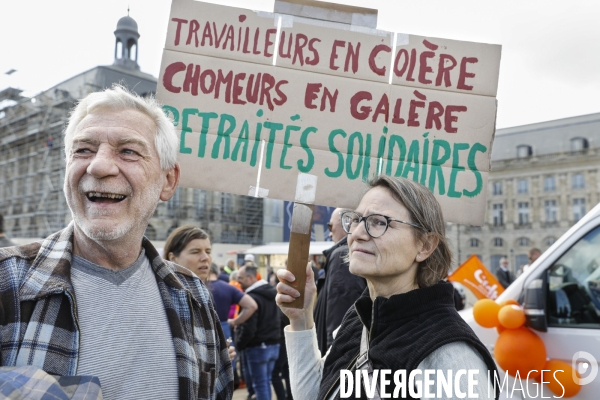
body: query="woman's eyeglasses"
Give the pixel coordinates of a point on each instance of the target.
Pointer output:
(376, 224)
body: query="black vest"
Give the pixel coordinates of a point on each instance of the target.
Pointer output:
(404, 330)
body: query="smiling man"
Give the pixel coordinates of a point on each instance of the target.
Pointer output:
(96, 298)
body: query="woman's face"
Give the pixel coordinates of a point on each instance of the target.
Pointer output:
(389, 262)
(196, 257)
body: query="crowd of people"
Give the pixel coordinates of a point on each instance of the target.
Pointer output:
(97, 300)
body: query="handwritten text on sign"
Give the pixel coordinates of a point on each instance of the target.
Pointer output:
(327, 108)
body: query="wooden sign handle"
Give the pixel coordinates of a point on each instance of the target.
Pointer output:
(299, 248)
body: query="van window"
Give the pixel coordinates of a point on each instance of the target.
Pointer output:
(573, 298)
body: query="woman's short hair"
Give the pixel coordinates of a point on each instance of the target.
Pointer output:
(424, 210)
(120, 98)
(180, 237)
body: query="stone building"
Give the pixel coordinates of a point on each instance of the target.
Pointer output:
(32, 159)
(544, 178)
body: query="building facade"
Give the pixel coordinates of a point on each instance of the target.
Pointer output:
(32, 159)
(544, 178)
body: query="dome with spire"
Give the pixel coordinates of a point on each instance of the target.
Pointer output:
(127, 24)
(126, 43)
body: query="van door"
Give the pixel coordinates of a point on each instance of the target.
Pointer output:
(573, 309)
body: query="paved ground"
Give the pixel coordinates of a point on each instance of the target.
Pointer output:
(242, 394)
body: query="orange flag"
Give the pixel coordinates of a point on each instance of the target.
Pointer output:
(476, 277)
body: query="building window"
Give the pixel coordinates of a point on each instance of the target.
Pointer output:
(523, 212)
(578, 181)
(474, 242)
(226, 207)
(549, 184)
(524, 151)
(523, 242)
(549, 241)
(498, 242)
(276, 212)
(497, 188)
(550, 209)
(522, 186)
(578, 209)
(498, 212)
(578, 144)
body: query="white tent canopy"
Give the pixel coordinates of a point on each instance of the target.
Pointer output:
(283, 247)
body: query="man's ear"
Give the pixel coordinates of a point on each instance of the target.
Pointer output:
(171, 182)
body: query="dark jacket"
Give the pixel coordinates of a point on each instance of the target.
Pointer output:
(504, 277)
(338, 290)
(403, 331)
(263, 325)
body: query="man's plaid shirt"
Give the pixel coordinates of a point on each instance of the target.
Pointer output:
(38, 316)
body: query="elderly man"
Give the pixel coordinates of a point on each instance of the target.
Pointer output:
(96, 298)
(505, 277)
(338, 288)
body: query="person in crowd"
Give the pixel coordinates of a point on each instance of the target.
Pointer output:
(406, 320)
(224, 274)
(258, 337)
(190, 247)
(249, 260)
(533, 254)
(97, 299)
(270, 274)
(505, 277)
(280, 378)
(338, 289)
(4, 241)
(460, 297)
(224, 296)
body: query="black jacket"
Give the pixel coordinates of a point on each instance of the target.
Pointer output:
(404, 330)
(263, 325)
(504, 277)
(338, 290)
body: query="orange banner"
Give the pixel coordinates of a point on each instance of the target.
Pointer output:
(476, 277)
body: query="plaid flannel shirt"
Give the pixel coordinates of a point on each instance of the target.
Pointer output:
(39, 327)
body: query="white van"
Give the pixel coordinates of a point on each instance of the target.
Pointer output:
(560, 292)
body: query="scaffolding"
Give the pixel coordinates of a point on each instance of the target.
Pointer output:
(31, 162)
(32, 169)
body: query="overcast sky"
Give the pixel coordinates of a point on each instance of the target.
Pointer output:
(550, 66)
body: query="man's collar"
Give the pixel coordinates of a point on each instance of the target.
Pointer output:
(256, 284)
(50, 271)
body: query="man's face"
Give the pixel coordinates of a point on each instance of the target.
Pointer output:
(113, 177)
(245, 280)
(504, 263)
(534, 255)
(336, 232)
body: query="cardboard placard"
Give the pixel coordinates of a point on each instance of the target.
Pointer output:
(244, 122)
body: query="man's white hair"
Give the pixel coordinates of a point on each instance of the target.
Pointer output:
(120, 98)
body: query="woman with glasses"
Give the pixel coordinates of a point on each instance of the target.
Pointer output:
(406, 318)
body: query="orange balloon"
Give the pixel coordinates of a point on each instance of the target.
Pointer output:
(500, 328)
(511, 316)
(560, 378)
(520, 350)
(509, 302)
(485, 312)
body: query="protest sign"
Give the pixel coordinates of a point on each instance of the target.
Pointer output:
(258, 99)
